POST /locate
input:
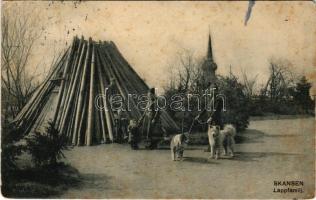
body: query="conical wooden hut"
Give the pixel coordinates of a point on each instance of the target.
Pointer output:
(67, 97)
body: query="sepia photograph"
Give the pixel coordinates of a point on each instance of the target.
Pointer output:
(158, 99)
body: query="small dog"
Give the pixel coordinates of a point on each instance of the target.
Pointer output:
(177, 146)
(221, 139)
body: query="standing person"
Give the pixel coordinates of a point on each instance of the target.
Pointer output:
(117, 127)
(133, 130)
(120, 124)
(111, 91)
(151, 116)
(123, 125)
(214, 117)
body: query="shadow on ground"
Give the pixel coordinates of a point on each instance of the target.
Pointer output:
(187, 148)
(239, 156)
(39, 182)
(250, 136)
(281, 135)
(255, 136)
(99, 181)
(256, 156)
(199, 160)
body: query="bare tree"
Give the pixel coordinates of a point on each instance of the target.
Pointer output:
(185, 73)
(18, 38)
(249, 84)
(279, 82)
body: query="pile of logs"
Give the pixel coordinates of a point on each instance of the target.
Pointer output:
(67, 96)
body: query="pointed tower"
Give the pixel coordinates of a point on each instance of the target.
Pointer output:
(209, 66)
(209, 49)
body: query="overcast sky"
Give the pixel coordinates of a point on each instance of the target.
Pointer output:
(150, 34)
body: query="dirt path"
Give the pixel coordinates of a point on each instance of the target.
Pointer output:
(272, 150)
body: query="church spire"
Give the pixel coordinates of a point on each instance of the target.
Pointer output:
(209, 66)
(209, 48)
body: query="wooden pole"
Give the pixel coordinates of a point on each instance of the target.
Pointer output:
(121, 84)
(91, 100)
(129, 68)
(135, 85)
(123, 90)
(73, 89)
(28, 124)
(101, 90)
(107, 109)
(81, 95)
(82, 123)
(72, 74)
(62, 84)
(140, 85)
(38, 93)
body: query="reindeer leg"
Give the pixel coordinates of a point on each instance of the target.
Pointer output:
(224, 145)
(181, 154)
(225, 150)
(232, 146)
(216, 153)
(173, 153)
(212, 151)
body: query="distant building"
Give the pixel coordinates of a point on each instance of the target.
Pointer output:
(209, 67)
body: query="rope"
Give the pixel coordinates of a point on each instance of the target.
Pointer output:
(200, 122)
(190, 130)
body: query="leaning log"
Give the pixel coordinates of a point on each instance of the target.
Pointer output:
(80, 136)
(28, 108)
(81, 95)
(74, 73)
(91, 100)
(74, 87)
(102, 110)
(62, 84)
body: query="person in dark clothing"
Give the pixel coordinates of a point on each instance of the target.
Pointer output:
(121, 123)
(111, 91)
(124, 125)
(133, 130)
(151, 117)
(214, 117)
(117, 125)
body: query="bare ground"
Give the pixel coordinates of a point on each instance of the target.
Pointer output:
(271, 150)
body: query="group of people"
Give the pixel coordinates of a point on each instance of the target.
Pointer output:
(134, 130)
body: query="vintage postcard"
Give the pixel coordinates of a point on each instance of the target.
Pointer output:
(158, 100)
